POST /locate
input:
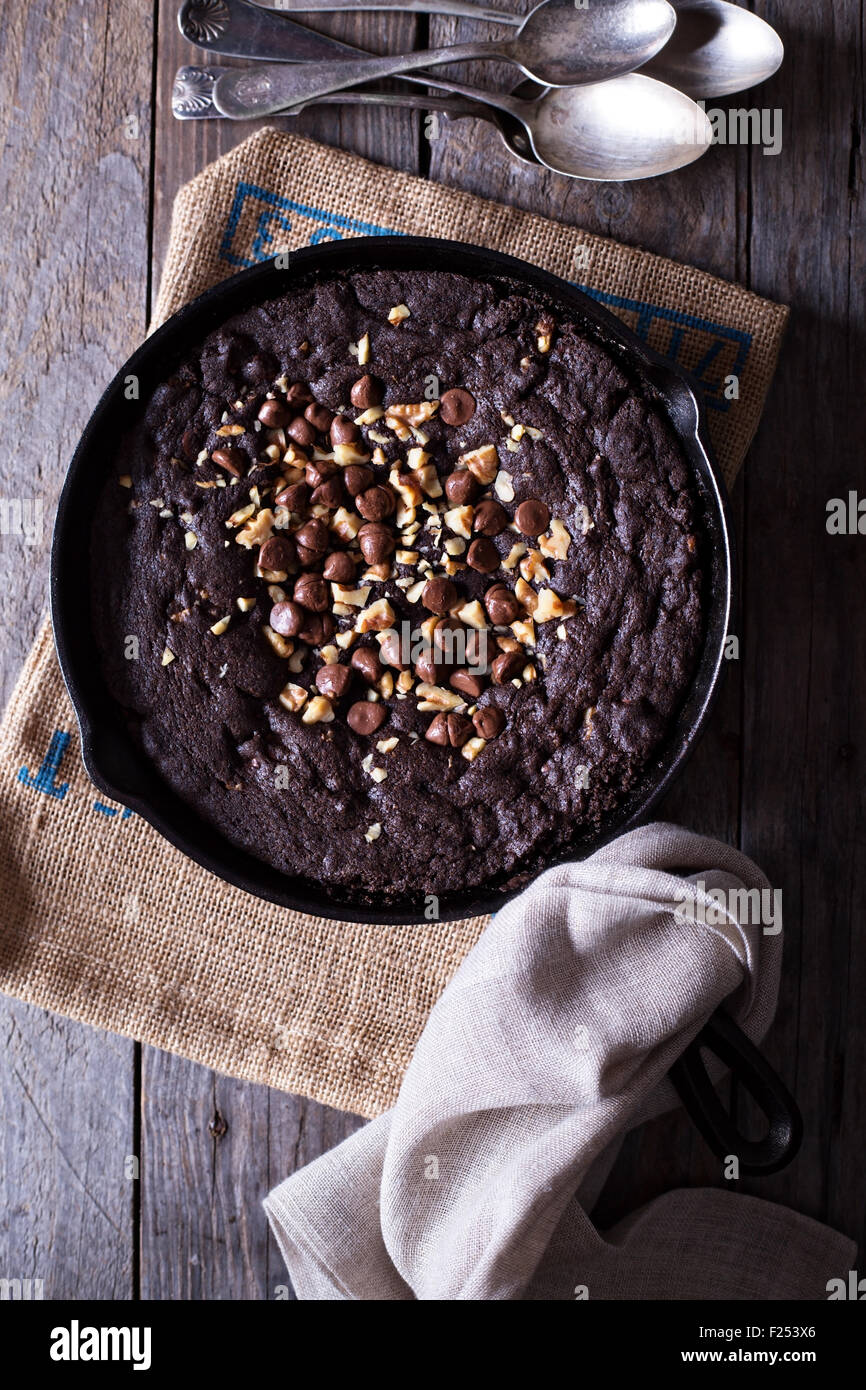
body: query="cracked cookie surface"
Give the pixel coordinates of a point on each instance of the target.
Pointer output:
(385, 448)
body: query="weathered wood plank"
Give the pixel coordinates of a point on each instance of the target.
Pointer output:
(203, 1232)
(212, 1147)
(66, 1140)
(805, 668)
(74, 157)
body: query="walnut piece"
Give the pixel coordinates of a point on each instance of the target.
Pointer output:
(533, 568)
(375, 618)
(550, 605)
(436, 698)
(318, 711)
(483, 463)
(292, 697)
(555, 544)
(257, 530)
(472, 747)
(459, 520)
(283, 646)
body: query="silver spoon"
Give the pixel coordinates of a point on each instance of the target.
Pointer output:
(717, 48)
(556, 44)
(191, 100)
(630, 127)
(241, 16)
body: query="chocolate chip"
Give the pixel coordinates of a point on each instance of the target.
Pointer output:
(299, 394)
(459, 730)
(366, 662)
(329, 493)
(357, 478)
(190, 445)
(476, 648)
(333, 681)
(428, 669)
(502, 605)
(311, 592)
(287, 618)
(338, 567)
(467, 683)
(294, 497)
(343, 430)
(457, 406)
(313, 536)
(307, 558)
(490, 518)
(461, 487)
(376, 502)
(439, 595)
(231, 459)
(376, 542)
(275, 414)
(277, 553)
(453, 729)
(489, 721)
(449, 640)
(367, 391)
(437, 730)
(483, 556)
(532, 516)
(506, 666)
(302, 432)
(319, 472)
(366, 716)
(319, 417)
(391, 651)
(318, 628)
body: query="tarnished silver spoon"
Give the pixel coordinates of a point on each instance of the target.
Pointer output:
(716, 49)
(631, 127)
(192, 100)
(557, 44)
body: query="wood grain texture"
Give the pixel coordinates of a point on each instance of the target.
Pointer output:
(211, 1148)
(805, 667)
(67, 1101)
(779, 770)
(73, 278)
(203, 1230)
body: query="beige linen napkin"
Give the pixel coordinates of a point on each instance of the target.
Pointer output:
(554, 1036)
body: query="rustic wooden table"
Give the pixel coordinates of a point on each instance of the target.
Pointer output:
(91, 159)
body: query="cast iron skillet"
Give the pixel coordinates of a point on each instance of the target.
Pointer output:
(122, 771)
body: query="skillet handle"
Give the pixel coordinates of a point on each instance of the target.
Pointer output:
(722, 1036)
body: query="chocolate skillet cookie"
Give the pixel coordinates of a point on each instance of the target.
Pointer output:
(412, 566)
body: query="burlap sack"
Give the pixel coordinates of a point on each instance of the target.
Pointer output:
(102, 919)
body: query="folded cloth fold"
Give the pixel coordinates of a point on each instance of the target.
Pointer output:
(552, 1039)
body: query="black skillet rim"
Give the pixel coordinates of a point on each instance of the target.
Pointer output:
(122, 772)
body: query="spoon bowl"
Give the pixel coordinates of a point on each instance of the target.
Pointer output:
(717, 48)
(629, 128)
(560, 43)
